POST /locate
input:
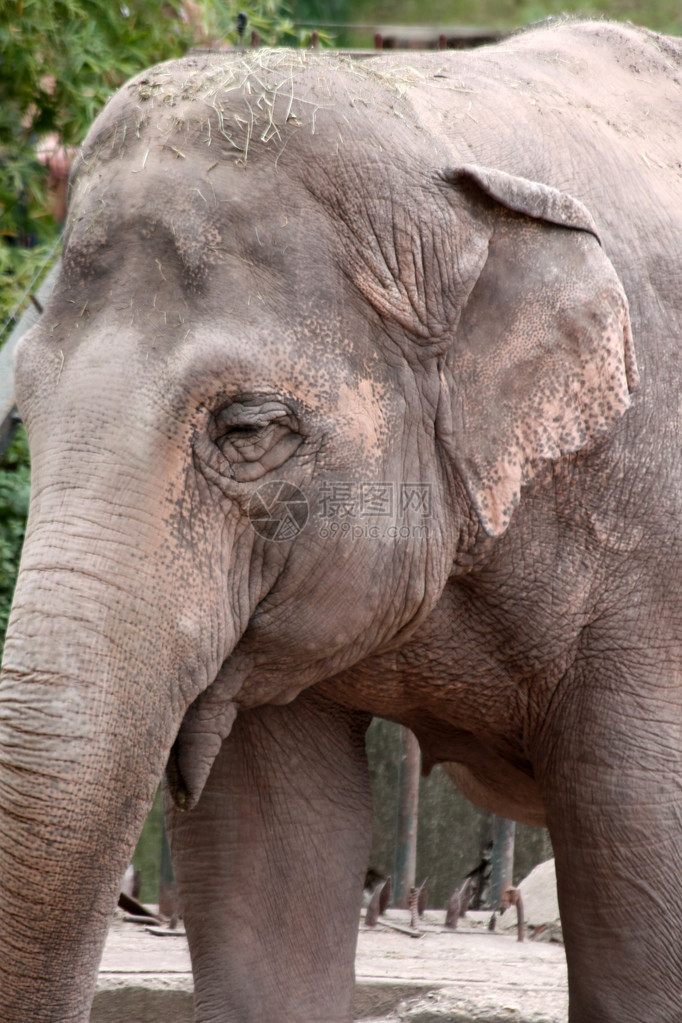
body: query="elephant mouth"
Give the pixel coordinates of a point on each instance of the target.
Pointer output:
(202, 732)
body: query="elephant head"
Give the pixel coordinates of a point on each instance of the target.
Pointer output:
(277, 304)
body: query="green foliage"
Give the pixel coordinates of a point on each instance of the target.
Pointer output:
(20, 276)
(148, 852)
(14, 492)
(660, 15)
(270, 18)
(321, 12)
(59, 62)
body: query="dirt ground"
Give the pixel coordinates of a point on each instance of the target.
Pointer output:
(467, 976)
(476, 975)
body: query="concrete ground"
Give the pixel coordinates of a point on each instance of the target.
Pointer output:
(466, 976)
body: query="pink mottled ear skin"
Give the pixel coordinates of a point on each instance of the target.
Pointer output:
(545, 360)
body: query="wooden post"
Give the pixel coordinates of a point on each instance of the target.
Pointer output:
(405, 859)
(512, 897)
(413, 906)
(168, 893)
(504, 832)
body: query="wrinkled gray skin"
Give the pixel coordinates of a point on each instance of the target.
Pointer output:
(290, 267)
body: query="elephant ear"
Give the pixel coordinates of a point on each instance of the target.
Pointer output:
(543, 358)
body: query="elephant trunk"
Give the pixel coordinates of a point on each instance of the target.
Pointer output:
(100, 665)
(71, 807)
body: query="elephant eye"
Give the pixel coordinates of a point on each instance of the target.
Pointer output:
(236, 433)
(258, 434)
(240, 438)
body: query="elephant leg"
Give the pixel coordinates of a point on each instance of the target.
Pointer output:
(612, 788)
(270, 866)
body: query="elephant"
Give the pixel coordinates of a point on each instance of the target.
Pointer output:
(358, 394)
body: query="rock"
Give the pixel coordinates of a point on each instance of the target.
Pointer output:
(540, 904)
